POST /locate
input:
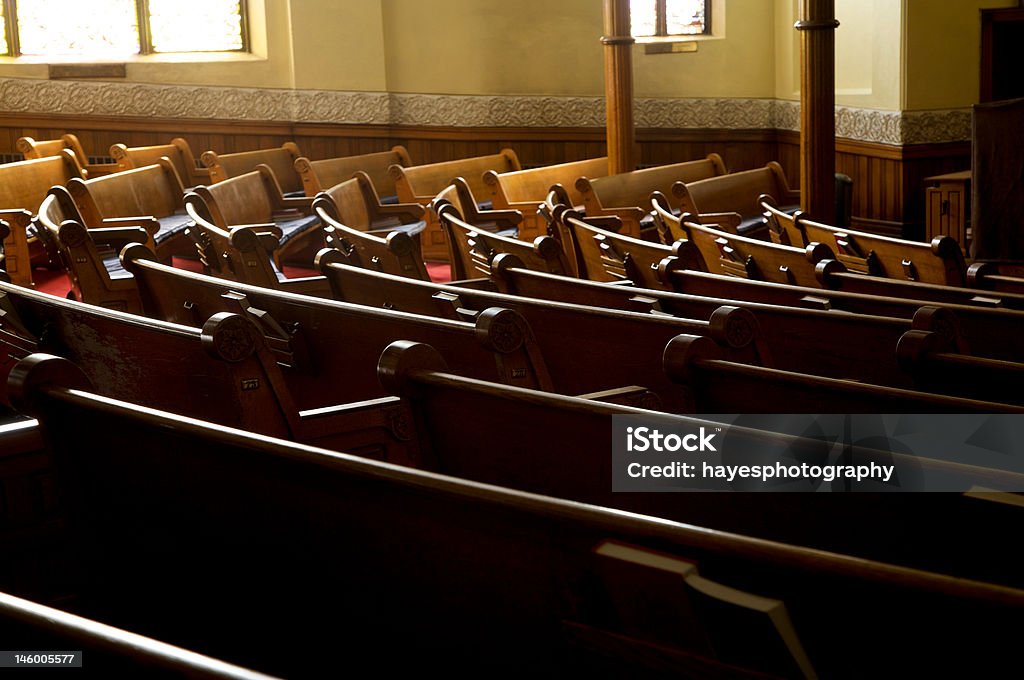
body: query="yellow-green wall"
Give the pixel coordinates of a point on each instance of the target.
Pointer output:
(943, 52)
(891, 54)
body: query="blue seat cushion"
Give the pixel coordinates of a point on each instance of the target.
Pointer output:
(750, 225)
(290, 228)
(112, 263)
(172, 225)
(485, 205)
(295, 194)
(389, 200)
(384, 227)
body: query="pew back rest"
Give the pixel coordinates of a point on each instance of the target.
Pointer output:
(178, 151)
(249, 198)
(633, 189)
(23, 185)
(940, 261)
(736, 192)
(281, 162)
(320, 175)
(531, 186)
(345, 203)
(783, 227)
(725, 253)
(153, 190)
(421, 183)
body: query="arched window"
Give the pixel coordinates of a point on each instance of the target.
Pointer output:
(119, 28)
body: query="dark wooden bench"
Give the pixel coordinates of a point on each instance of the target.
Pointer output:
(1001, 277)
(462, 573)
(940, 261)
(23, 186)
(152, 197)
(369, 233)
(858, 346)
(222, 370)
(45, 148)
(525, 190)
(586, 349)
(422, 183)
(627, 195)
(104, 650)
(473, 247)
(714, 385)
(321, 175)
(280, 160)
(331, 347)
(255, 198)
(737, 192)
(989, 332)
(178, 152)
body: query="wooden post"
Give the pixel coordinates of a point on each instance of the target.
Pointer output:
(618, 86)
(817, 27)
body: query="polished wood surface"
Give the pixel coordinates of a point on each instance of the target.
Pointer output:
(618, 87)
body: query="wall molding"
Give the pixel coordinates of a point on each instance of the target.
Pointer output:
(142, 100)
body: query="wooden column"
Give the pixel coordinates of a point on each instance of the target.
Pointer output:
(618, 86)
(817, 27)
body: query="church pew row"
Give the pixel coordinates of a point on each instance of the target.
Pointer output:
(543, 340)
(45, 148)
(280, 161)
(23, 187)
(1003, 277)
(422, 183)
(836, 344)
(524, 190)
(103, 650)
(983, 332)
(751, 258)
(941, 261)
(467, 576)
(256, 198)
(151, 197)
(221, 371)
(178, 151)
(473, 247)
(321, 175)
(626, 195)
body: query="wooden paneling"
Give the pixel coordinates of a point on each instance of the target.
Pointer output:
(888, 181)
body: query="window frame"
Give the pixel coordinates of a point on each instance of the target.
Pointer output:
(10, 28)
(661, 33)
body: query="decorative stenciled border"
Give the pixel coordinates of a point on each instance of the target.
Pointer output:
(23, 95)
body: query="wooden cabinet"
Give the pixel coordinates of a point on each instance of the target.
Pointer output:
(948, 207)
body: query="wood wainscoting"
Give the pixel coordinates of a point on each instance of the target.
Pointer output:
(888, 180)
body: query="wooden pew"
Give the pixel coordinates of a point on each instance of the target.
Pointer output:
(178, 151)
(737, 192)
(281, 162)
(45, 148)
(105, 650)
(474, 247)
(255, 198)
(331, 347)
(323, 174)
(714, 385)
(525, 190)
(587, 349)
(222, 371)
(856, 346)
(462, 573)
(23, 187)
(89, 256)
(1003, 277)
(628, 194)
(369, 233)
(989, 332)
(605, 255)
(422, 183)
(940, 261)
(151, 196)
